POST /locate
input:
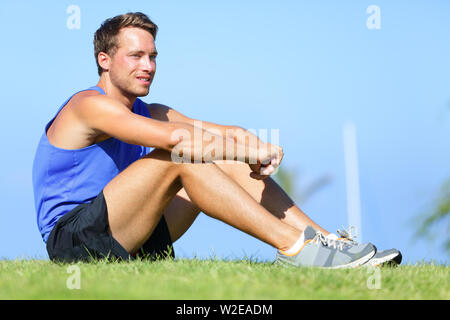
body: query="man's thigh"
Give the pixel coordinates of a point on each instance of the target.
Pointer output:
(182, 212)
(137, 197)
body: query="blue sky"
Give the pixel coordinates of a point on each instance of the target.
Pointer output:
(303, 67)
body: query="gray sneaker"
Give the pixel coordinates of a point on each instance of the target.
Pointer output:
(385, 258)
(320, 251)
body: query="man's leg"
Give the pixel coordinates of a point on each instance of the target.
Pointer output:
(139, 195)
(270, 195)
(181, 212)
(180, 215)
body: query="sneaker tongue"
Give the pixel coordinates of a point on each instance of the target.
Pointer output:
(309, 233)
(332, 236)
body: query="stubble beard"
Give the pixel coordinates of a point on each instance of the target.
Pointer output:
(128, 87)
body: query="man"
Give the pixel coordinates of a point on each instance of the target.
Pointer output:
(100, 192)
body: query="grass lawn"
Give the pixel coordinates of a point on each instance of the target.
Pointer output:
(216, 279)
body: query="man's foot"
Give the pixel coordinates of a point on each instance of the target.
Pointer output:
(323, 252)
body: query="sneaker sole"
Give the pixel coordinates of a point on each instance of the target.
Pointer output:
(350, 265)
(391, 260)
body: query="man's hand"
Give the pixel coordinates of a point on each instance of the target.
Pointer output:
(269, 160)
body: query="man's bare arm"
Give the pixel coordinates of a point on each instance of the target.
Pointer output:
(106, 115)
(237, 133)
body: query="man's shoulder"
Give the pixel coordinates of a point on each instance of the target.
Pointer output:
(158, 111)
(85, 94)
(81, 99)
(157, 106)
(163, 112)
(91, 103)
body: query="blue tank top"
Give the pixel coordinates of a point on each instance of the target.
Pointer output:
(63, 179)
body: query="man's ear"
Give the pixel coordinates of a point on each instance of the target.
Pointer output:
(104, 60)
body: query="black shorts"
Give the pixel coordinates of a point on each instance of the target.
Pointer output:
(82, 235)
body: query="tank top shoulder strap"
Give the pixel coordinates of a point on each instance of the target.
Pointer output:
(96, 88)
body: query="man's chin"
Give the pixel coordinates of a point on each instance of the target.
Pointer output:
(141, 92)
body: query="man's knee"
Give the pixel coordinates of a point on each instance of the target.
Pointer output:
(158, 154)
(234, 169)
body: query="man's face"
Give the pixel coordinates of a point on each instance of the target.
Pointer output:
(133, 66)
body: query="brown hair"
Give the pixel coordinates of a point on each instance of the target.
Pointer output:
(105, 38)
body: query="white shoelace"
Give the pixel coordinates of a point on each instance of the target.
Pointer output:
(330, 241)
(348, 234)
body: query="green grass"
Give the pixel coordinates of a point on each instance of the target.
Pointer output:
(217, 279)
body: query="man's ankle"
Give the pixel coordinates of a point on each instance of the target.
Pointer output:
(295, 247)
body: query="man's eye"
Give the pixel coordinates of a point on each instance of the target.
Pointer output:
(152, 57)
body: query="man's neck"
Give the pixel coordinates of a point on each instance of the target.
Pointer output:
(116, 93)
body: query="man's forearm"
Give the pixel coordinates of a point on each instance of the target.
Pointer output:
(243, 136)
(236, 133)
(196, 144)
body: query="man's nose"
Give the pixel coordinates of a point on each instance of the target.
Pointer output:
(147, 64)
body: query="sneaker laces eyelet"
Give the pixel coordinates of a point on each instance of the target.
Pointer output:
(335, 243)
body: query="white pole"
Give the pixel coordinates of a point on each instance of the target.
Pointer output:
(352, 178)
